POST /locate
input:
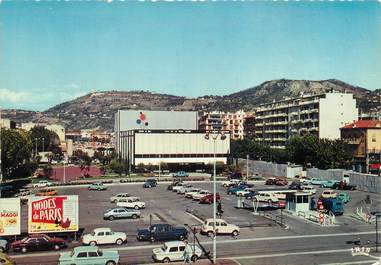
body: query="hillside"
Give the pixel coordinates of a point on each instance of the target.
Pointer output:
(97, 109)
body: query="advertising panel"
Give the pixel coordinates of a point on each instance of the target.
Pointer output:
(10, 217)
(49, 214)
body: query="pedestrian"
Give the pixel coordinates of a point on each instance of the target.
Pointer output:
(187, 254)
(219, 208)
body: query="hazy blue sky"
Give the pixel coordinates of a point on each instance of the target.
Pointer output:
(54, 51)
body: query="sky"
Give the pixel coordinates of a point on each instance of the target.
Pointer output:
(54, 51)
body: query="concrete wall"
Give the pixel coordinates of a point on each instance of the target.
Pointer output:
(363, 182)
(269, 169)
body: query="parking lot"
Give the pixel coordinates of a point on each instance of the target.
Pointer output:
(163, 206)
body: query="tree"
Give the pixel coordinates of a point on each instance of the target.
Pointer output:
(116, 166)
(16, 148)
(43, 139)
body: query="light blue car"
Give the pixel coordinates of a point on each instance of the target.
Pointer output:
(87, 255)
(97, 186)
(316, 181)
(329, 184)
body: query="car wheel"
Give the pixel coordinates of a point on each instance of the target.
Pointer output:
(110, 262)
(194, 258)
(210, 234)
(152, 239)
(229, 193)
(136, 207)
(235, 233)
(93, 243)
(24, 250)
(166, 260)
(134, 216)
(2, 250)
(119, 241)
(56, 247)
(111, 218)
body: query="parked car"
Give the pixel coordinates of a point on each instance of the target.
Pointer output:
(175, 183)
(131, 202)
(162, 232)
(174, 251)
(222, 227)
(344, 197)
(230, 182)
(178, 186)
(4, 245)
(342, 185)
(150, 183)
(243, 192)
(281, 182)
(295, 186)
(97, 186)
(304, 180)
(200, 194)
(42, 183)
(186, 188)
(309, 189)
(189, 192)
(180, 174)
(47, 192)
(89, 255)
(235, 189)
(266, 197)
(120, 212)
(208, 199)
(251, 195)
(38, 242)
(119, 196)
(316, 181)
(329, 194)
(270, 181)
(329, 184)
(24, 195)
(104, 235)
(333, 205)
(6, 260)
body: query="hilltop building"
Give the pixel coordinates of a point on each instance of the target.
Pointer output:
(322, 115)
(171, 137)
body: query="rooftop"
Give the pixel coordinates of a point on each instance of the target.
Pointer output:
(364, 124)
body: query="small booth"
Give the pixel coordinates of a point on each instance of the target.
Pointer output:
(298, 201)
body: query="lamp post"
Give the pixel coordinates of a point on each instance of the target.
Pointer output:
(159, 166)
(214, 136)
(247, 167)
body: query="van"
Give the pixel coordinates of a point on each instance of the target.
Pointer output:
(333, 205)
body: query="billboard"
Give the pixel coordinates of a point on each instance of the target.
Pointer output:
(49, 214)
(10, 217)
(156, 120)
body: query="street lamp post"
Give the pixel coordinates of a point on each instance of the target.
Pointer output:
(214, 136)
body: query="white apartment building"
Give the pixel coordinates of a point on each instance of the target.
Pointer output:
(232, 122)
(322, 115)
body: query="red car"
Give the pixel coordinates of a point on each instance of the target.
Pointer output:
(209, 198)
(281, 182)
(270, 181)
(38, 242)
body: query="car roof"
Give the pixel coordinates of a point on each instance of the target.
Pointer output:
(121, 193)
(102, 229)
(217, 220)
(174, 243)
(86, 248)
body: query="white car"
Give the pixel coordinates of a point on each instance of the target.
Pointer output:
(200, 194)
(42, 183)
(187, 189)
(174, 251)
(24, 194)
(183, 189)
(189, 194)
(119, 196)
(230, 182)
(309, 189)
(329, 194)
(243, 192)
(177, 187)
(222, 227)
(266, 197)
(104, 236)
(131, 202)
